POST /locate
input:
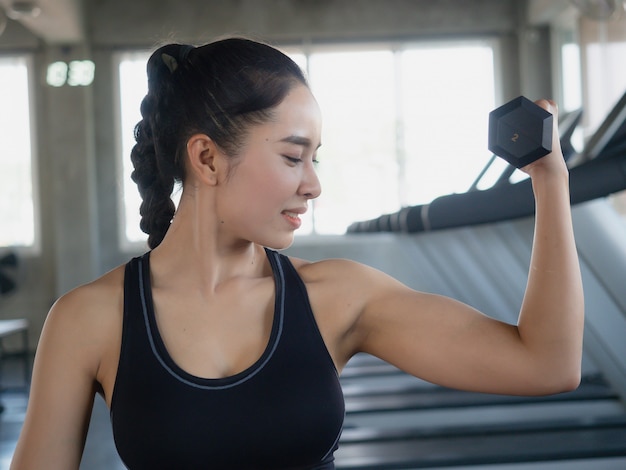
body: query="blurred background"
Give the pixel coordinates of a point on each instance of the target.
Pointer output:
(405, 88)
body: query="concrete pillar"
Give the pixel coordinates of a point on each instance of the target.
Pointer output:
(71, 154)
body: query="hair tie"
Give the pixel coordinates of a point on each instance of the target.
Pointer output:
(184, 52)
(170, 61)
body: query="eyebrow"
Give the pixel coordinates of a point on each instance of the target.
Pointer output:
(299, 140)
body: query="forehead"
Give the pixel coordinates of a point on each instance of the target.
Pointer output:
(297, 115)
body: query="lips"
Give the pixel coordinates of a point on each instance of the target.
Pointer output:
(293, 216)
(295, 211)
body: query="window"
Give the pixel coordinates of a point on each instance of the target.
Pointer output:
(570, 81)
(606, 75)
(602, 47)
(402, 124)
(448, 92)
(358, 170)
(133, 87)
(17, 201)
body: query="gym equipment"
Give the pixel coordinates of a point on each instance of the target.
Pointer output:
(520, 132)
(7, 262)
(600, 170)
(399, 421)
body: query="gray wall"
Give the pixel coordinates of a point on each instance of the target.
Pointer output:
(76, 135)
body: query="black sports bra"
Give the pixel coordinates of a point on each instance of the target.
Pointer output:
(285, 411)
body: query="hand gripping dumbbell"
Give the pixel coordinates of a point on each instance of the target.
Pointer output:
(520, 132)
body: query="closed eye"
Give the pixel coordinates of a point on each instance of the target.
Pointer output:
(293, 160)
(296, 161)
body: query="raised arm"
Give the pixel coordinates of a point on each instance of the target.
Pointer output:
(449, 343)
(552, 315)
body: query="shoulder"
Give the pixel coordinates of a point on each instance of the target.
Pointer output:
(346, 287)
(91, 299)
(86, 318)
(343, 273)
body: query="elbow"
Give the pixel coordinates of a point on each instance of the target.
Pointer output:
(569, 383)
(569, 374)
(563, 381)
(551, 377)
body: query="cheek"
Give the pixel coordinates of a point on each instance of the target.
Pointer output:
(260, 188)
(274, 182)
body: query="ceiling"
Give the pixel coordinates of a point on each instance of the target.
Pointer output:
(63, 21)
(53, 21)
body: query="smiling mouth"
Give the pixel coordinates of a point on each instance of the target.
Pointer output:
(291, 215)
(293, 218)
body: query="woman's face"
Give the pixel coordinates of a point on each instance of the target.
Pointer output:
(270, 185)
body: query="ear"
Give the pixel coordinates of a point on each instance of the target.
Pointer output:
(205, 159)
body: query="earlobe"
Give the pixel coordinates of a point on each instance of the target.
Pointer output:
(202, 155)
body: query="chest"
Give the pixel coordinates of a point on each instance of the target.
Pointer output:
(285, 409)
(218, 336)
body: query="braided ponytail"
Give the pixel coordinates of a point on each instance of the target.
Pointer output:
(155, 171)
(157, 208)
(220, 90)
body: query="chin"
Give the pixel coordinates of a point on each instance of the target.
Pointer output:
(279, 244)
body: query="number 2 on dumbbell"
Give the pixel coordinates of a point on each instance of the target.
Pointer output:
(520, 132)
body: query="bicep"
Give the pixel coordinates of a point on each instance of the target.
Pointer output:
(61, 396)
(443, 341)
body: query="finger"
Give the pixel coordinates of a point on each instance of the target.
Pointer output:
(548, 105)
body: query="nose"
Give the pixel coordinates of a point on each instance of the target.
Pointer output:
(310, 186)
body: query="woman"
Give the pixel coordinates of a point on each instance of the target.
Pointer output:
(213, 350)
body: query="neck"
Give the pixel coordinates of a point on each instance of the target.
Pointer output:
(197, 252)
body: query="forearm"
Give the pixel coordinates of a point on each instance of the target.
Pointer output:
(552, 315)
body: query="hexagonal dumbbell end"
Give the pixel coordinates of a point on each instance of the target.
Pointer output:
(520, 132)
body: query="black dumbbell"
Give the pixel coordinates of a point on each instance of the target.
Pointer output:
(520, 132)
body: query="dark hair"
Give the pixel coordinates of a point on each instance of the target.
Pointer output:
(219, 89)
